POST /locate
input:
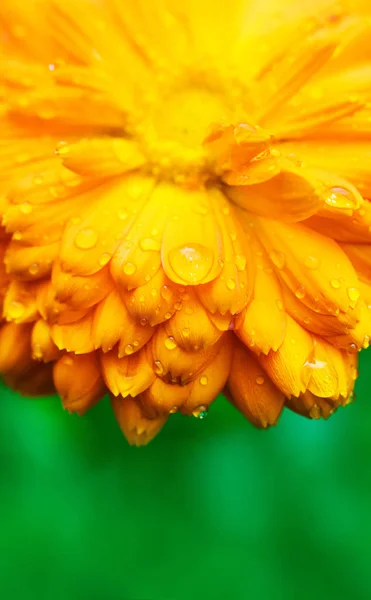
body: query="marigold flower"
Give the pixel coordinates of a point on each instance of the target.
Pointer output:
(185, 204)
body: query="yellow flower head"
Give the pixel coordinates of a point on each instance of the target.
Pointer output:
(185, 204)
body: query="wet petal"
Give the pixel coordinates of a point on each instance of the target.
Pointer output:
(129, 375)
(78, 382)
(252, 392)
(137, 428)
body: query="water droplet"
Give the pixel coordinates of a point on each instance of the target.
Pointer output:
(63, 148)
(150, 244)
(159, 369)
(122, 214)
(168, 315)
(260, 380)
(300, 292)
(200, 412)
(33, 269)
(186, 332)
(315, 412)
(178, 306)
(312, 262)
(201, 209)
(341, 198)
(37, 352)
(153, 292)
(173, 410)
(86, 239)
(129, 349)
(204, 380)
(279, 304)
(353, 294)
(104, 259)
(335, 283)
(16, 310)
(170, 343)
(231, 284)
(129, 268)
(165, 293)
(17, 236)
(143, 322)
(278, 259)
(191, 263)
(25, 208)
(240, 262)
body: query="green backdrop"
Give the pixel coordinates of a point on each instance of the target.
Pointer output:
(210, 509)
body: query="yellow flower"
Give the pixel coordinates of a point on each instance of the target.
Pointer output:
(185, 204)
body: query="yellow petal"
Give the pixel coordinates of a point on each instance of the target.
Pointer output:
(191, 247)
(74, 337)
(162, 398)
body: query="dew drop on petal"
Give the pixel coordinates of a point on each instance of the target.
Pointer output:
(143, 322)
(353, 294)
(165, 293)
(191, 263)
(203, 380)
(260, 380)
(129, 268)
(231, 284)
(170, 343)
(150, 244)
(33, 269)
(158, 368)
(173, 410)
(16, 310)
(200, 412)
(312, 262)
(278, 259)
(129, 349)
(104, 259)
(86, 239)
(300, 292)
(25, 208)
(279, 304)
(240, 262)
(186, 332)
(335, 283)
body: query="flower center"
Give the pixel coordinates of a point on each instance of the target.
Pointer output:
(177, 119)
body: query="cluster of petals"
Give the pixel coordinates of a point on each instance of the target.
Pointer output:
(185, 205)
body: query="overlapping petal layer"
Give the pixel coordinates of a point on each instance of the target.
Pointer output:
(179, 223)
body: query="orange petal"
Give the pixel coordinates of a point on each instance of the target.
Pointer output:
(15, 348)
(112, 323)
(36, 381)
(286, 367)
(30, 262)
(210, 382)
(316, 264)
(43, 347)
(289, 196)
(360, 257)
(231, 291)
(328, 372)
(259, 333)
(127, 376)
(190, 326)
(137, 428)
(355, 230)
(155, 301)
(78, 381)
(20, 302)
(74, 337)
(173, 363)
(253, 393)
(162, 398)
(311, 406)
(81, 292)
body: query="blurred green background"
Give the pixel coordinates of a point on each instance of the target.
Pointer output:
(210, 509)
